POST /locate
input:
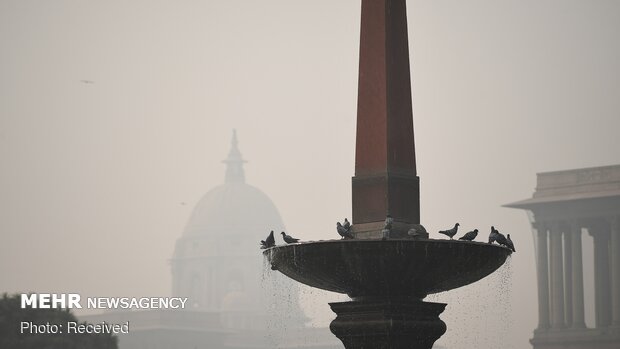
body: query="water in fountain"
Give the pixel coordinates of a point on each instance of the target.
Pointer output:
(479, 315)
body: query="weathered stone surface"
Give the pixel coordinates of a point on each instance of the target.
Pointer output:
(388, 324)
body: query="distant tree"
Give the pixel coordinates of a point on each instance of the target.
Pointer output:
(12, 315)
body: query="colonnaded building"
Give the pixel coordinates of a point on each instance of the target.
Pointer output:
(565, 206)
(233, 302)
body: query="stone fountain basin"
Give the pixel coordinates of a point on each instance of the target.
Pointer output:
(387, 268)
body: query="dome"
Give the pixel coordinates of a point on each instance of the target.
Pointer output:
(217, 209)
(217, 262)
(234, 207)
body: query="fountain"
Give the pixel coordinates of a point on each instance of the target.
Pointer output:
(386, 272)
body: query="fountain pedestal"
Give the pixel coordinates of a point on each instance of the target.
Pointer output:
(386, 324)
(387, 281)
(386, 269)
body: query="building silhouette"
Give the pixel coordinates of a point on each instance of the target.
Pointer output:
(233, 301)
(565, 205)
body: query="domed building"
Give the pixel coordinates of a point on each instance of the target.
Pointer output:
(234, 301)
(217, 259)
(217, 264)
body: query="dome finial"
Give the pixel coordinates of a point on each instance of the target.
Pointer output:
(234, 162)
(234, 138)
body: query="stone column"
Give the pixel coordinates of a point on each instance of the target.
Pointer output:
(557, 277)
(615, 270)
(387, 324)
(577, 267)
(385, 179)
(602, 286)
(542, 271)
(568, 276)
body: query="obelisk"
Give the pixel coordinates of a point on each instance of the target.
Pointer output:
(385, 181)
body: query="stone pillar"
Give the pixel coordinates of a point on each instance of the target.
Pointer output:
(387, 324)
(385, 179)
(577, 286)
(615, 270)
(557, 277)
(568, 276)
(542, 271)
(602, 286)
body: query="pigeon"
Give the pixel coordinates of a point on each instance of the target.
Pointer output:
(501, 239)
(493, 235)
(498, 237)
(387, 228)
(343, 231)
(289, 239)
(388, 222)
(510, 244)
(470, 236)
(450, 232)
(347, 224)
(417, 231)
(269, 242)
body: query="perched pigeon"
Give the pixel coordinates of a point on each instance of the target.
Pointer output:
(498, 237)
(388, 222)
(470, 236)
(417, 231)
(387, 227)
(493, 235)
(347, 224)
(269, 242)
(344, 232)
(509, 244)
(501, 239)
(450, 232)
(289, 239)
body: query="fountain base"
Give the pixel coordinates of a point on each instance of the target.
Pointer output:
(388, 324)
(387, 280)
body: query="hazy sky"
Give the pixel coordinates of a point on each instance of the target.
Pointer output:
(98, 179)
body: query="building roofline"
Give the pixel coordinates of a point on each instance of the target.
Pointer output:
(530, 203)
(578, 169)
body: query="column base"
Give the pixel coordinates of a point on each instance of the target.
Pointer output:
(384, 324)
(583, 338)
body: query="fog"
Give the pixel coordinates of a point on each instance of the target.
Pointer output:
(115, 116)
